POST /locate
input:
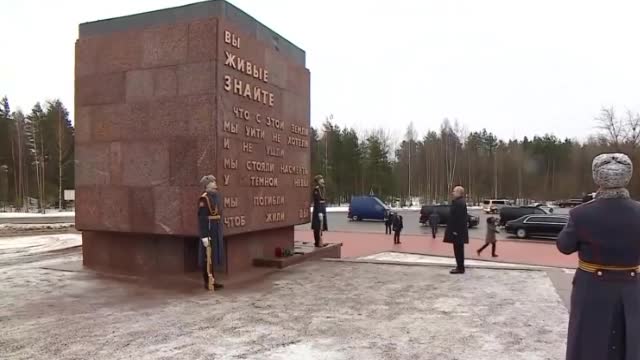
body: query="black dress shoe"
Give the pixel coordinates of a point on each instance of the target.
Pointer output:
(457, 271)
(218, 286)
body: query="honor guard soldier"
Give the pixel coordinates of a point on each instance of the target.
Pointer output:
(210, 228)
(604, 321)
(319, 216)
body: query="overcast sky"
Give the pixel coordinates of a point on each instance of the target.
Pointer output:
(514, 67)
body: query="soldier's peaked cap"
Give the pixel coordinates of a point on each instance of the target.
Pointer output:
(318, 177)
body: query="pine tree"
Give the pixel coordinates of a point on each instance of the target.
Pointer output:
(35, 135)
(60, 146)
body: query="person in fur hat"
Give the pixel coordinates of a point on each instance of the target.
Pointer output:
(604, 321)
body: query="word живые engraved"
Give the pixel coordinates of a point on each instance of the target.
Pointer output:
(246, 67)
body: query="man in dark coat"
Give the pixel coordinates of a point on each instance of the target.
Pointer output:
(457, 232)
(604, 323)
(434, 221)
(319, 215)
(210, 229)
(398, 225)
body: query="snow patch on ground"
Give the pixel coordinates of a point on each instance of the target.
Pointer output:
(47, 214)
(35, 227)
(24, 245)
(317, 310)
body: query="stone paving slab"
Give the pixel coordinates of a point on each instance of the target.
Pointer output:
(318, 310)
(355, 245)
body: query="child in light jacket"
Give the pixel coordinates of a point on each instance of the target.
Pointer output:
(490, 237)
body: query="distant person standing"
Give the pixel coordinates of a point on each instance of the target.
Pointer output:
(457, 232)
(604, 321)
(490, 237)
(434, 221)
(397, 228)
(388, 221)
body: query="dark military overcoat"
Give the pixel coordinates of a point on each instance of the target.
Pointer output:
(210, 225)
(605, 304)
(319, 207)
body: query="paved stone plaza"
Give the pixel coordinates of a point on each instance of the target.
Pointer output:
(319, 310)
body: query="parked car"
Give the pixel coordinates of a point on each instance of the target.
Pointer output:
(492, 206)
(570, 203)
(444, 212)
(367, 208)
(537, 225)
(509, 213)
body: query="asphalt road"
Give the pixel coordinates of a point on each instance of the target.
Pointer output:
(338, 221)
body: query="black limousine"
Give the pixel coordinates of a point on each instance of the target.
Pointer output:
(537, 225)
(509, 213)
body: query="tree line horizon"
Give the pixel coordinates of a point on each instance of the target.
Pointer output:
(37, 160)
(543, 167)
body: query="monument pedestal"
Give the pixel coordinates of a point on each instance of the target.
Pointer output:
(149, 254)
(164, 98)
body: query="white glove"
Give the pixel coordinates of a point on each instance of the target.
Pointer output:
(320, 216)
(205, 242)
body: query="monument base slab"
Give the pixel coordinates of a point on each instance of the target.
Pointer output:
(150, 255)
(303, 252)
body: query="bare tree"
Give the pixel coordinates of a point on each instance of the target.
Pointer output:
(632, 123)
(611, 126)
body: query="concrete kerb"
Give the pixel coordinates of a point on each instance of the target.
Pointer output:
(489, 266)
(409, 263)
(540, 267)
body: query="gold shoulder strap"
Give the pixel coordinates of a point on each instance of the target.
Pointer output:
(212, 210)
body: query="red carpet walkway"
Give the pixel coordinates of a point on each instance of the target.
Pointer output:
(356, 244)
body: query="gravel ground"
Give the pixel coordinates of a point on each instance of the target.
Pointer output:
(318, 310)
